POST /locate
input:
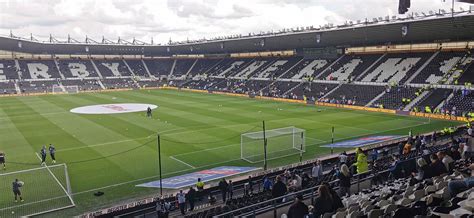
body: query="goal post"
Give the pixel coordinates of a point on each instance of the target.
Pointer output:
(65, 89)
(281, 142)
(46, 189)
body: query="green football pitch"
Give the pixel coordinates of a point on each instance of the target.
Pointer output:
(113, 153)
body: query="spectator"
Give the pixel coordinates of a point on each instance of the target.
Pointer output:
(343, 158)
(469, 131)
(191, 197)
(407, 148)
(317, 171)
(423, 171)
(324, 202)
(298, 209)
(230, 189)
(455, 154)
(437, 167)
(400, 148)
(447, 160)
(361, 161)
(267, 184)
(223, 188)
(305, 180)
(279, 188)
(162, 208)
(181, 202)
(296, 182)
(200, 188)
(457, 186)
(250, 185)
(344, 177)
(337, 202)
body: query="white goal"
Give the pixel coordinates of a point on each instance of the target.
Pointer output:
(46, 189)
(65, 89)
(281, 142)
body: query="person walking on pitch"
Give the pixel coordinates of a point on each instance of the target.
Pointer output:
(52, 152)
(43, 155)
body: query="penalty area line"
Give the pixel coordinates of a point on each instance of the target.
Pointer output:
(176, 159)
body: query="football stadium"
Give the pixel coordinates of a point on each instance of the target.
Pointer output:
(369, 117)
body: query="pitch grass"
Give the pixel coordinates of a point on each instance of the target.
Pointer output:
(113, 153)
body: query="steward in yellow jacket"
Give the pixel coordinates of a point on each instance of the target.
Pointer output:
(361, 163)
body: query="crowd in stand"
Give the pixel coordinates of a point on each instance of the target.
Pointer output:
(419, 160)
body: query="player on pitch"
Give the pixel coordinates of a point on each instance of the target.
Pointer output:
(43, 153)
(16, 189)
(2, 160)
(52, 152)
(148, 112)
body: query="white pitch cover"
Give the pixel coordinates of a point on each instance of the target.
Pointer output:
(112, 108)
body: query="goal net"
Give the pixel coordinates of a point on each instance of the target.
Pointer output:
(65, 89)
(280, 143)
(46, 189)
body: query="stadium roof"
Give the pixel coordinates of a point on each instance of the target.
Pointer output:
(435, 27)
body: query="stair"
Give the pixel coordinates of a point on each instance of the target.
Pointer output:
(17, 88)
(324, 96)
(101, 84)
(375, 99)
(370, 67)
(172, 69)
(59, 70)
(276, 80)
(128, 67)
(18, 70)
(191, 68)
(445, 101)
(96, 69)
(329, 67)
(421, 68)
(146, 68)
(415, 101)
(290, 90)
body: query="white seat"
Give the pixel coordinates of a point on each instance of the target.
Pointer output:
(417, 195)
(375, 213)
(389, 209)
(340, 214)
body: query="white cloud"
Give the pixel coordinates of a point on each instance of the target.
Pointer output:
(182, 19)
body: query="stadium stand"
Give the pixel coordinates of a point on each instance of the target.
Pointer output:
(353, 94)
(182, 66)
(83, 84)
(393, 96)
(9, 70)
(461, 102)
(7, 88)
(112, 68)
(434, 98)
(394, 68)
(203, 66)
(33, 69)
(349, 66)
(137, 67)
(159, 67)
(439, 67)
(306, 68)
(41, 86)
(77, 69)
(118, 83)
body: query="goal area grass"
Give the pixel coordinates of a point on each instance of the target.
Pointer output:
(113, 153)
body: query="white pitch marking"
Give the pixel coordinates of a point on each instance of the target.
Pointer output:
(176, 159)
